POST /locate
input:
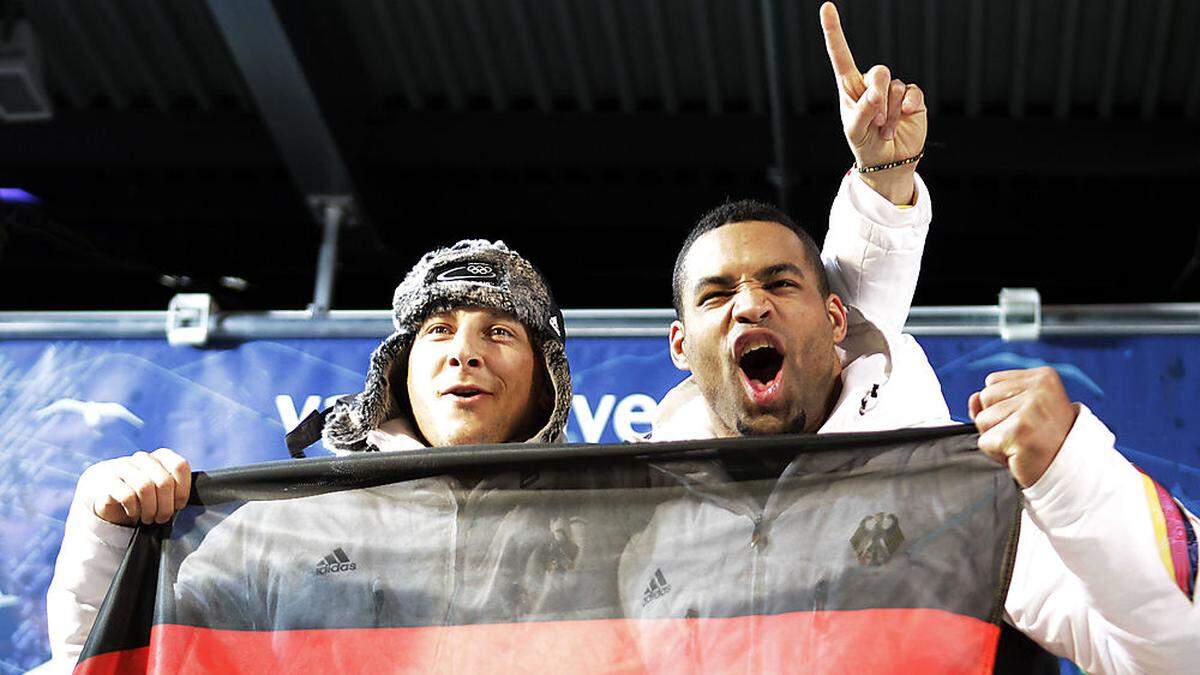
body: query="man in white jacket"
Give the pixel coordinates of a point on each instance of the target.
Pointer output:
(771, 347)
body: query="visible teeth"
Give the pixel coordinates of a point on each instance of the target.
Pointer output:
(755, 346)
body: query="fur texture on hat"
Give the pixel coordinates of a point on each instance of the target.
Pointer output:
(471, 273)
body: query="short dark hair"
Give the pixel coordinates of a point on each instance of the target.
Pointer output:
(741, 211)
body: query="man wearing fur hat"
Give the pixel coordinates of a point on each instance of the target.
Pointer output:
(477, 357)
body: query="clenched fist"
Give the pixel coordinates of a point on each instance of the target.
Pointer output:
(144, 487)
(1023, 417)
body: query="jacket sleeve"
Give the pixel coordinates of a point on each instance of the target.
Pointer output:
(91, 552)
(873, 250)
(1090, 581)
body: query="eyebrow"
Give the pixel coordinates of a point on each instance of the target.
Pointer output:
(768, 272)
(720, 280)
(779, 269)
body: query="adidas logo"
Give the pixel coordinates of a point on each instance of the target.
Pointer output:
(657, 588)
(337, 561)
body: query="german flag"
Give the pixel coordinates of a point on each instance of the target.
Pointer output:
(880, 552)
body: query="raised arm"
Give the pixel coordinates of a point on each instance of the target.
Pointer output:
(880, 218)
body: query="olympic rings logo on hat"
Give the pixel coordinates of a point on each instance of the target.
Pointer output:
(468, 271)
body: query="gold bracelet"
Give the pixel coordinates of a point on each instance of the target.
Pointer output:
(890, 165)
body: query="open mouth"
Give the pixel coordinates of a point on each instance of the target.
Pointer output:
(761, 365)
(464, 392)
(760, 361)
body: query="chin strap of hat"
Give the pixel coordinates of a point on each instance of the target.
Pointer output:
(306, 433)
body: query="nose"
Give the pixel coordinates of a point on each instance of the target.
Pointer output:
(463, 352)
(750, 305)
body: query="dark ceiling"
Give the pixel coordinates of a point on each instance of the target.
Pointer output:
(1064, 148)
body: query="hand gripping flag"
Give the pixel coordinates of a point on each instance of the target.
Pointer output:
(834, 553)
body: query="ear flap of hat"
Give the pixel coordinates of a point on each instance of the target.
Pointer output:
(554, 431)
(352, 417)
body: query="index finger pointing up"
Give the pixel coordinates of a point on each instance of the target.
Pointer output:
(839, 52)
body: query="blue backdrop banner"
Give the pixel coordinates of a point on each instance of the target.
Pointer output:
(67, 404)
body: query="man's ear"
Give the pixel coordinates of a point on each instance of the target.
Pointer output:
(838, 317)
(678, 355)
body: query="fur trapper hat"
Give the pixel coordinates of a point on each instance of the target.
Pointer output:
(473, 272)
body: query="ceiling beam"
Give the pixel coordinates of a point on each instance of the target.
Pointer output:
(1158, 50)
(263, 53)
(708, 57)
(181, 61)
(662, 57)
(385, 23)
(1112, 59)
(87, 48)
(975, 69)
(752, 40)
(1021, 29)
(794, 39)
(431, 27)
(481, 44)
(616, 56)
(571, 46)
(1066, 59)
(533, 60)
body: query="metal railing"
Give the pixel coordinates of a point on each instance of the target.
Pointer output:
(1055, 320)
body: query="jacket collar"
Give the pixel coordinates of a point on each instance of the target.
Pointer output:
(398, 435)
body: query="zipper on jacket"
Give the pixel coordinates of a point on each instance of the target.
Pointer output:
(758, 538)
(758, 543)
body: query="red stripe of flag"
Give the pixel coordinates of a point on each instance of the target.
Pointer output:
(117, 663)
(871, 640)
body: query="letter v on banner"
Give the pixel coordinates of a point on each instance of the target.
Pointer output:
(592, 426)
(287, 410)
